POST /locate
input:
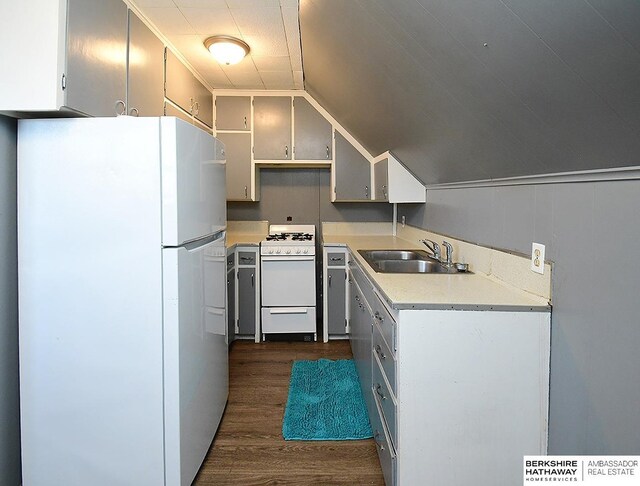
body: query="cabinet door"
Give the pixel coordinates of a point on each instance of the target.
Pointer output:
(238, 152)
(145, 81)
(247, 301)
(272, 127)
(312, 132)
(203, 110)
(336, 292)
(96, 68)
(170, 110)
(233, 113)
(179, 82)
(352, 172)
(381, 176)
(231, 306)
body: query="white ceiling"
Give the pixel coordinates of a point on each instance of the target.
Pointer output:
(270, 27)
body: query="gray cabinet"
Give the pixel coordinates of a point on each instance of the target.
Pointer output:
(238, 153)
(95, 83)
(145, 80)
(380, 170)
(336, 288)
(231, 298)
(247, 301)
(361, 339)
(272, 128)
(352, 172)
(312, 132)
(233, 113)
(184, 89)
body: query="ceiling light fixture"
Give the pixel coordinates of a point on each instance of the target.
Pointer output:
(226, 49)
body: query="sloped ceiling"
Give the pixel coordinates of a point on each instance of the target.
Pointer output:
(464, 90)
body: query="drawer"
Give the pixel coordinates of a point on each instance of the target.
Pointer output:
(363, 282)
(386, 453)
(385, 399)
(247, 258)
(386, 358)
(385, 321)
(288, 319)
(336, 259)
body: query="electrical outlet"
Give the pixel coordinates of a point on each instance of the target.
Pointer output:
(537, 258)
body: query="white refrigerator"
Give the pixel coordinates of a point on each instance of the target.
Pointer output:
(122, 293)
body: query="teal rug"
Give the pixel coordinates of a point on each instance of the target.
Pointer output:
(325, 402)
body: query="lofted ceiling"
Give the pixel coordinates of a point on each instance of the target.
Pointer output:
(465, 90)
(270, 27)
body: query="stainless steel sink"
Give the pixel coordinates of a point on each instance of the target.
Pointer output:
(406, 261)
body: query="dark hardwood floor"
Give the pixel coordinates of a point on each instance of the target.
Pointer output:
(249, 449)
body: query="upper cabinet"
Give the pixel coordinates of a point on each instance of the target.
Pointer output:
(233, 113)
(312, 132)
(91, 57)
(145, 84)
(184, 89)
(394, 183)
(352, 172)
(272, 128)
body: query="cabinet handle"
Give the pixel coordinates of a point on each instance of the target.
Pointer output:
(328, 153)
(120, 107)
(245, 192)
(252, 280)
(357, 297)
(378, 444)
(134, 112)
(384, 192)
(329, 282)
(366, 191)
(244, 258)
(378, 316)
(245, 122)
(379, 352)
(286, 151)
(335, 259)
(379, 391)
(197, 105)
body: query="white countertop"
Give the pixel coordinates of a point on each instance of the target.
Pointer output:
(247, 239)
(436, 291)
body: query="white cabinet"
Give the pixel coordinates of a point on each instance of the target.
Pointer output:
(394, 183)
(73, 55)
(451, 387)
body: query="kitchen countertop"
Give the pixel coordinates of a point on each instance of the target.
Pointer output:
(244, 239)
(436, 291)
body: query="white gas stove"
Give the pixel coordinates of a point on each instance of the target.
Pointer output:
(289, 240)
(288, 265)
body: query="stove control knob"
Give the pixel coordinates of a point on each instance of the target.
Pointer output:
(278, 251)
(306, 251)
(298, 250)
(270, 251)
(288, 251)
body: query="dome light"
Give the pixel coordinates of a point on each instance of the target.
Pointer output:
(226, 50)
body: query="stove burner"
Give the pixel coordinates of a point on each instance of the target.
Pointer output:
(301, 237)
(277, 237)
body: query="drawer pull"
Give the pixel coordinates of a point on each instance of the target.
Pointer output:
(379, 352)
(378, 316)
(357, 297)
(379, 391)
(335, 259)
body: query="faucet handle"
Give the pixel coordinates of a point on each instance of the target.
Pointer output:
(449, 253)
(433, 247)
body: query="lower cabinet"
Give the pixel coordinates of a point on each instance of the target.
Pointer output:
(458, 397)
(248, 293)
(334, 292)
(231, 296)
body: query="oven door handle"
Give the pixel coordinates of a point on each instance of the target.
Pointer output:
(290, 310)
(288, 258)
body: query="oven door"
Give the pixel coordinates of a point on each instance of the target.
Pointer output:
(288, 281)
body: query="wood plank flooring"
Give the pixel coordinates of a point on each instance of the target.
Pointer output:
(249, 449)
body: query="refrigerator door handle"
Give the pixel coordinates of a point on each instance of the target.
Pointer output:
(197, 244)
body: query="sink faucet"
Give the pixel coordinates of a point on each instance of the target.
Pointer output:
(433, 247)
(449, 253)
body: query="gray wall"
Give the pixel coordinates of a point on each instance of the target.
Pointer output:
(9, 391)
(592, 234)
(303, 194)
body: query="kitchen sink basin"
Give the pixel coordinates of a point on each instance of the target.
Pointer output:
(407, 261)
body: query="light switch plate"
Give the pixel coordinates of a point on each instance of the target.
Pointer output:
(537, 258)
